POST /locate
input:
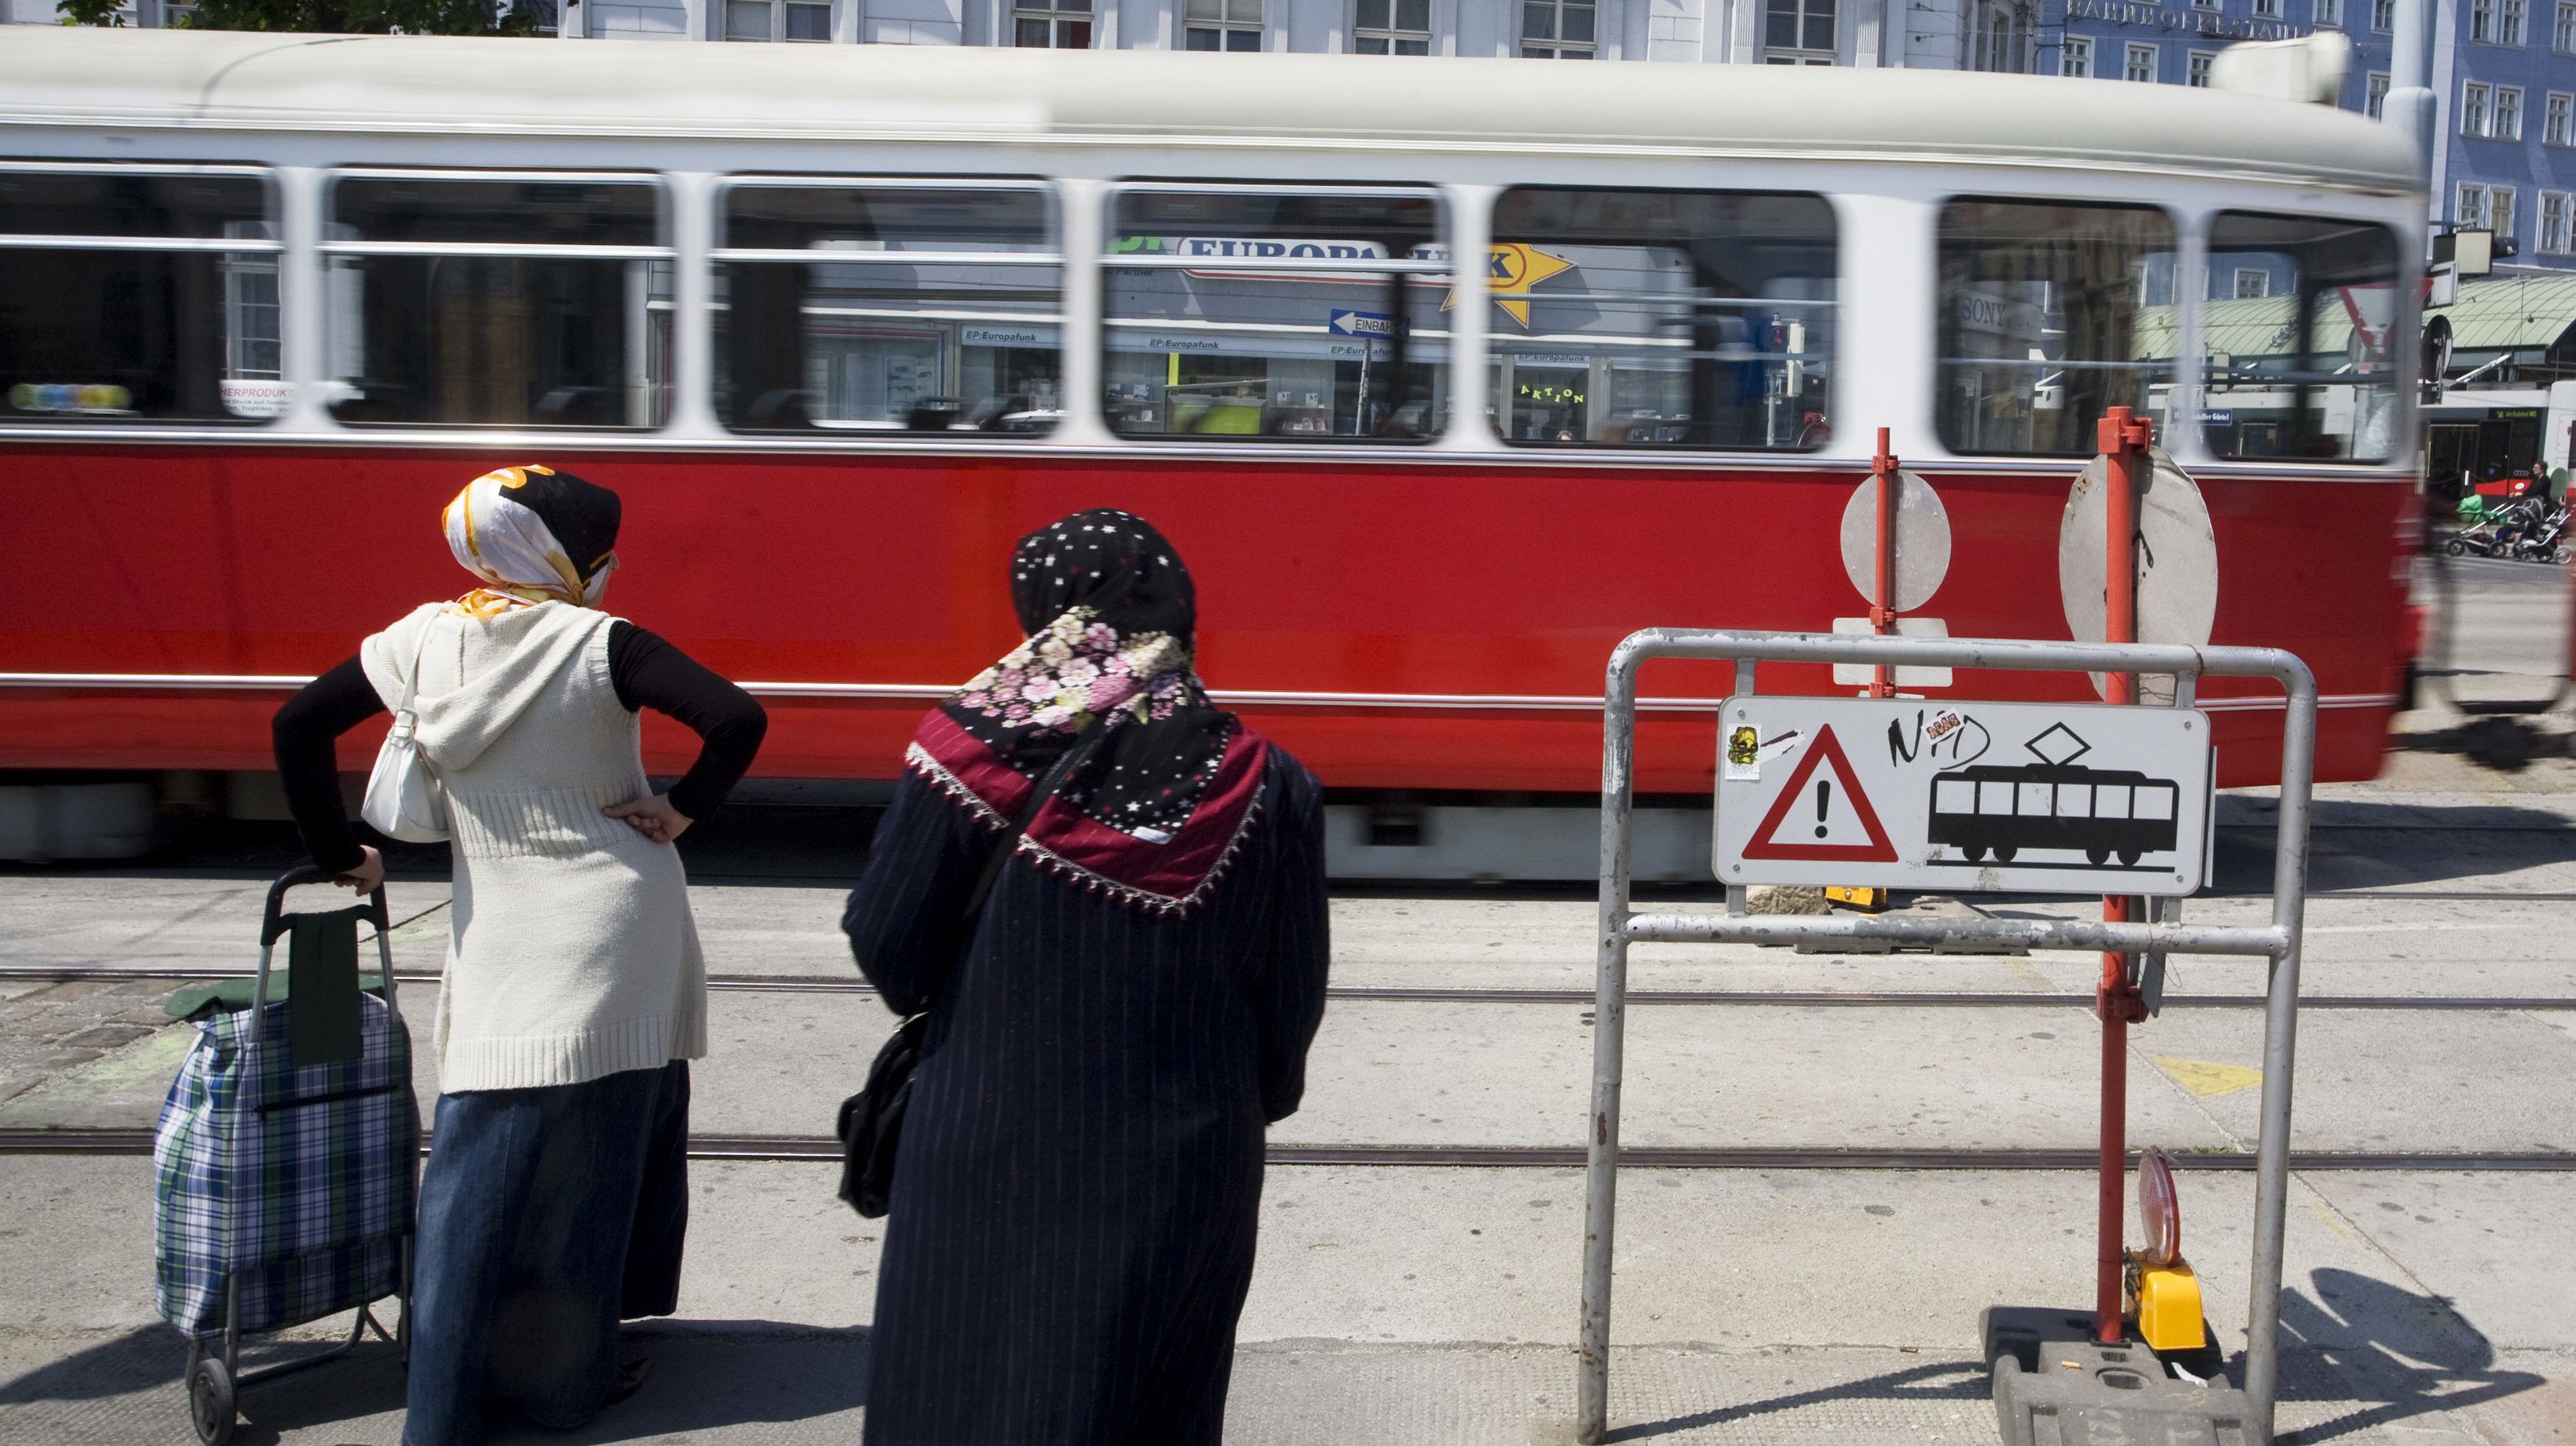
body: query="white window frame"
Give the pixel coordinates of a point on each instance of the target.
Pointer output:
(2267, 9)
(2469, 207)
(1056, 16)
(2329, 14)
(2474, 107)
(1390, 38)
(2558, 124)
(2562, 39)
(2075, 57)
(2374, 95)
(2517, 21)
(2506, 124)
(1225, 25)
(2129, 58)
(1804, 11)
(1553, 46)
(2196, 68)
(777, 22)
(2500, 212)
(2482, 21)
(2383, 16)
(2552, 236)
(2262, 281)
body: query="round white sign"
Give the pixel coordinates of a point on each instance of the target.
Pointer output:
(2177, 561)
(1922, 541)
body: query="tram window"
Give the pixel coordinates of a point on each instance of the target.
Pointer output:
(99, 325)
(881, 308)
(498, 300)
(1635, 318)
(2052, 312)
(2304, 372)
(1275, 312)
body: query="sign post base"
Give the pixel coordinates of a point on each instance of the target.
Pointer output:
(2054, 1383)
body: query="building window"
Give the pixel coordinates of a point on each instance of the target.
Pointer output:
(1798, 32)
(2508, 113)
(2500, 213)
(2383, 15)
(2205, 4)
(1223, 25)
(2374, 98)
(135, 294)
(2076, 58)
(860, 309)
(2553, 239)
(2267, 9)
(2563, 38)
(1392, 27)
(2252, 282)
(2482, 20)
(2330, 14)
(778, 20)
(2473, 109)
(2142, 63)
(2557, 129)
(2002, 38)
(1051, 24)
(2516, 22)
(2470, 214)
(1557, 29)
(2199, 68)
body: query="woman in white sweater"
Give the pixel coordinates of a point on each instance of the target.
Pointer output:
(555, 1196)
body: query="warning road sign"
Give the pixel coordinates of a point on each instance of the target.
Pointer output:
(1953, 797)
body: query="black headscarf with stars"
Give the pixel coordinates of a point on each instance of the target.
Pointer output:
(1111, 618)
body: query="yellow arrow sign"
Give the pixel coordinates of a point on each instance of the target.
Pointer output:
(1511, 269)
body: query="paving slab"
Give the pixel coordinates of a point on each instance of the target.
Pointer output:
(92, 920)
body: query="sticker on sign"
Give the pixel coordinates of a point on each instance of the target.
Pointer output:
(1953, 797)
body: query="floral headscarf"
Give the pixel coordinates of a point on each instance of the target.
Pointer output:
(1163, 791)
(533, 535)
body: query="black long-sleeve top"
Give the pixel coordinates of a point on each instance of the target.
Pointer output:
(648, 673)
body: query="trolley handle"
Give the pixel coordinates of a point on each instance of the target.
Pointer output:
(273, 925)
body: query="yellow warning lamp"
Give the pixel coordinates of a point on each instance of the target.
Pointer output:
(2163, 1293)
(1868, 901)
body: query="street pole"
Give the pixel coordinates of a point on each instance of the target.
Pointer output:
(2124, 440)
(1882, 613)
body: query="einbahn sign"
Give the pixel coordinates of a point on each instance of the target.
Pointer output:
(1959, 797)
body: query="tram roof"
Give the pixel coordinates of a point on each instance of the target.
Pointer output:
(470, 86)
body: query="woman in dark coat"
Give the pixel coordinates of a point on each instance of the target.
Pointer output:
(1070, 1233)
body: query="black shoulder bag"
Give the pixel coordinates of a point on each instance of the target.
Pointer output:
(871, 1121)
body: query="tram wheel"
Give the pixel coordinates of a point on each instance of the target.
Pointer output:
(210, 1401)
(2128, 856)
(2004, 855)
(2097, 857)
(1976, 853)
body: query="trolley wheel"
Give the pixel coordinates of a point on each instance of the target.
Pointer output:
(2456, 548)
(210, 1401)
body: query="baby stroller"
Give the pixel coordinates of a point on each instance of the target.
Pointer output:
(287, 1156)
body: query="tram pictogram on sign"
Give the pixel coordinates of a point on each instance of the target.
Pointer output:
(1948, 796)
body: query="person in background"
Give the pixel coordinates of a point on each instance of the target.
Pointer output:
(1070, 1232)
(555, 1198)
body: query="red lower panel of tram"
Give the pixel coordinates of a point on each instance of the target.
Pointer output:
(1401, 590)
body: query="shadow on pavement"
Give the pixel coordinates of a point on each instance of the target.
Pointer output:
(2358, 844)
(139, 1360)
(1962, 1380)
(2390, 1352)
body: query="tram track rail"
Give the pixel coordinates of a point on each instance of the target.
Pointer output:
(1505, 994)
(794, 1149)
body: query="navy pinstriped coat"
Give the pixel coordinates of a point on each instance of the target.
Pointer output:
(1071, 1230)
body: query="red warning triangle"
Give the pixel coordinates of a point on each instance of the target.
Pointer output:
(1766, 842)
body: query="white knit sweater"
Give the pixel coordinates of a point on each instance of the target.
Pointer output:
(572, 953)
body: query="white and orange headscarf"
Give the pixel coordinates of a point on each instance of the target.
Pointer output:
(533, 535)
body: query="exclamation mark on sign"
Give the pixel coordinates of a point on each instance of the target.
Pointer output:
(1824, 797)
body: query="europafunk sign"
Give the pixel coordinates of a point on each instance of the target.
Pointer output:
(2194, 21)
(1960, 797)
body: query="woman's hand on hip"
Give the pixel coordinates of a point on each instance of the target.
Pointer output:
(368, 876)
(652, 816)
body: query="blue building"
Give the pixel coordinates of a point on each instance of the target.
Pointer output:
(2505, 71)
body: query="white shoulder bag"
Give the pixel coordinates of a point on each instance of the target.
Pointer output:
(403, 797)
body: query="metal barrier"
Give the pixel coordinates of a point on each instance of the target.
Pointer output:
(1619, 927)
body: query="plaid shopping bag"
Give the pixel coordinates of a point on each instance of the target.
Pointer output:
(299, 1182)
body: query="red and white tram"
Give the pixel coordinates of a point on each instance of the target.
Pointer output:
(841, 323)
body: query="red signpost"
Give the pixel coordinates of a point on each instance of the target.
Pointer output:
(2124, 441)
(1883, 609)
